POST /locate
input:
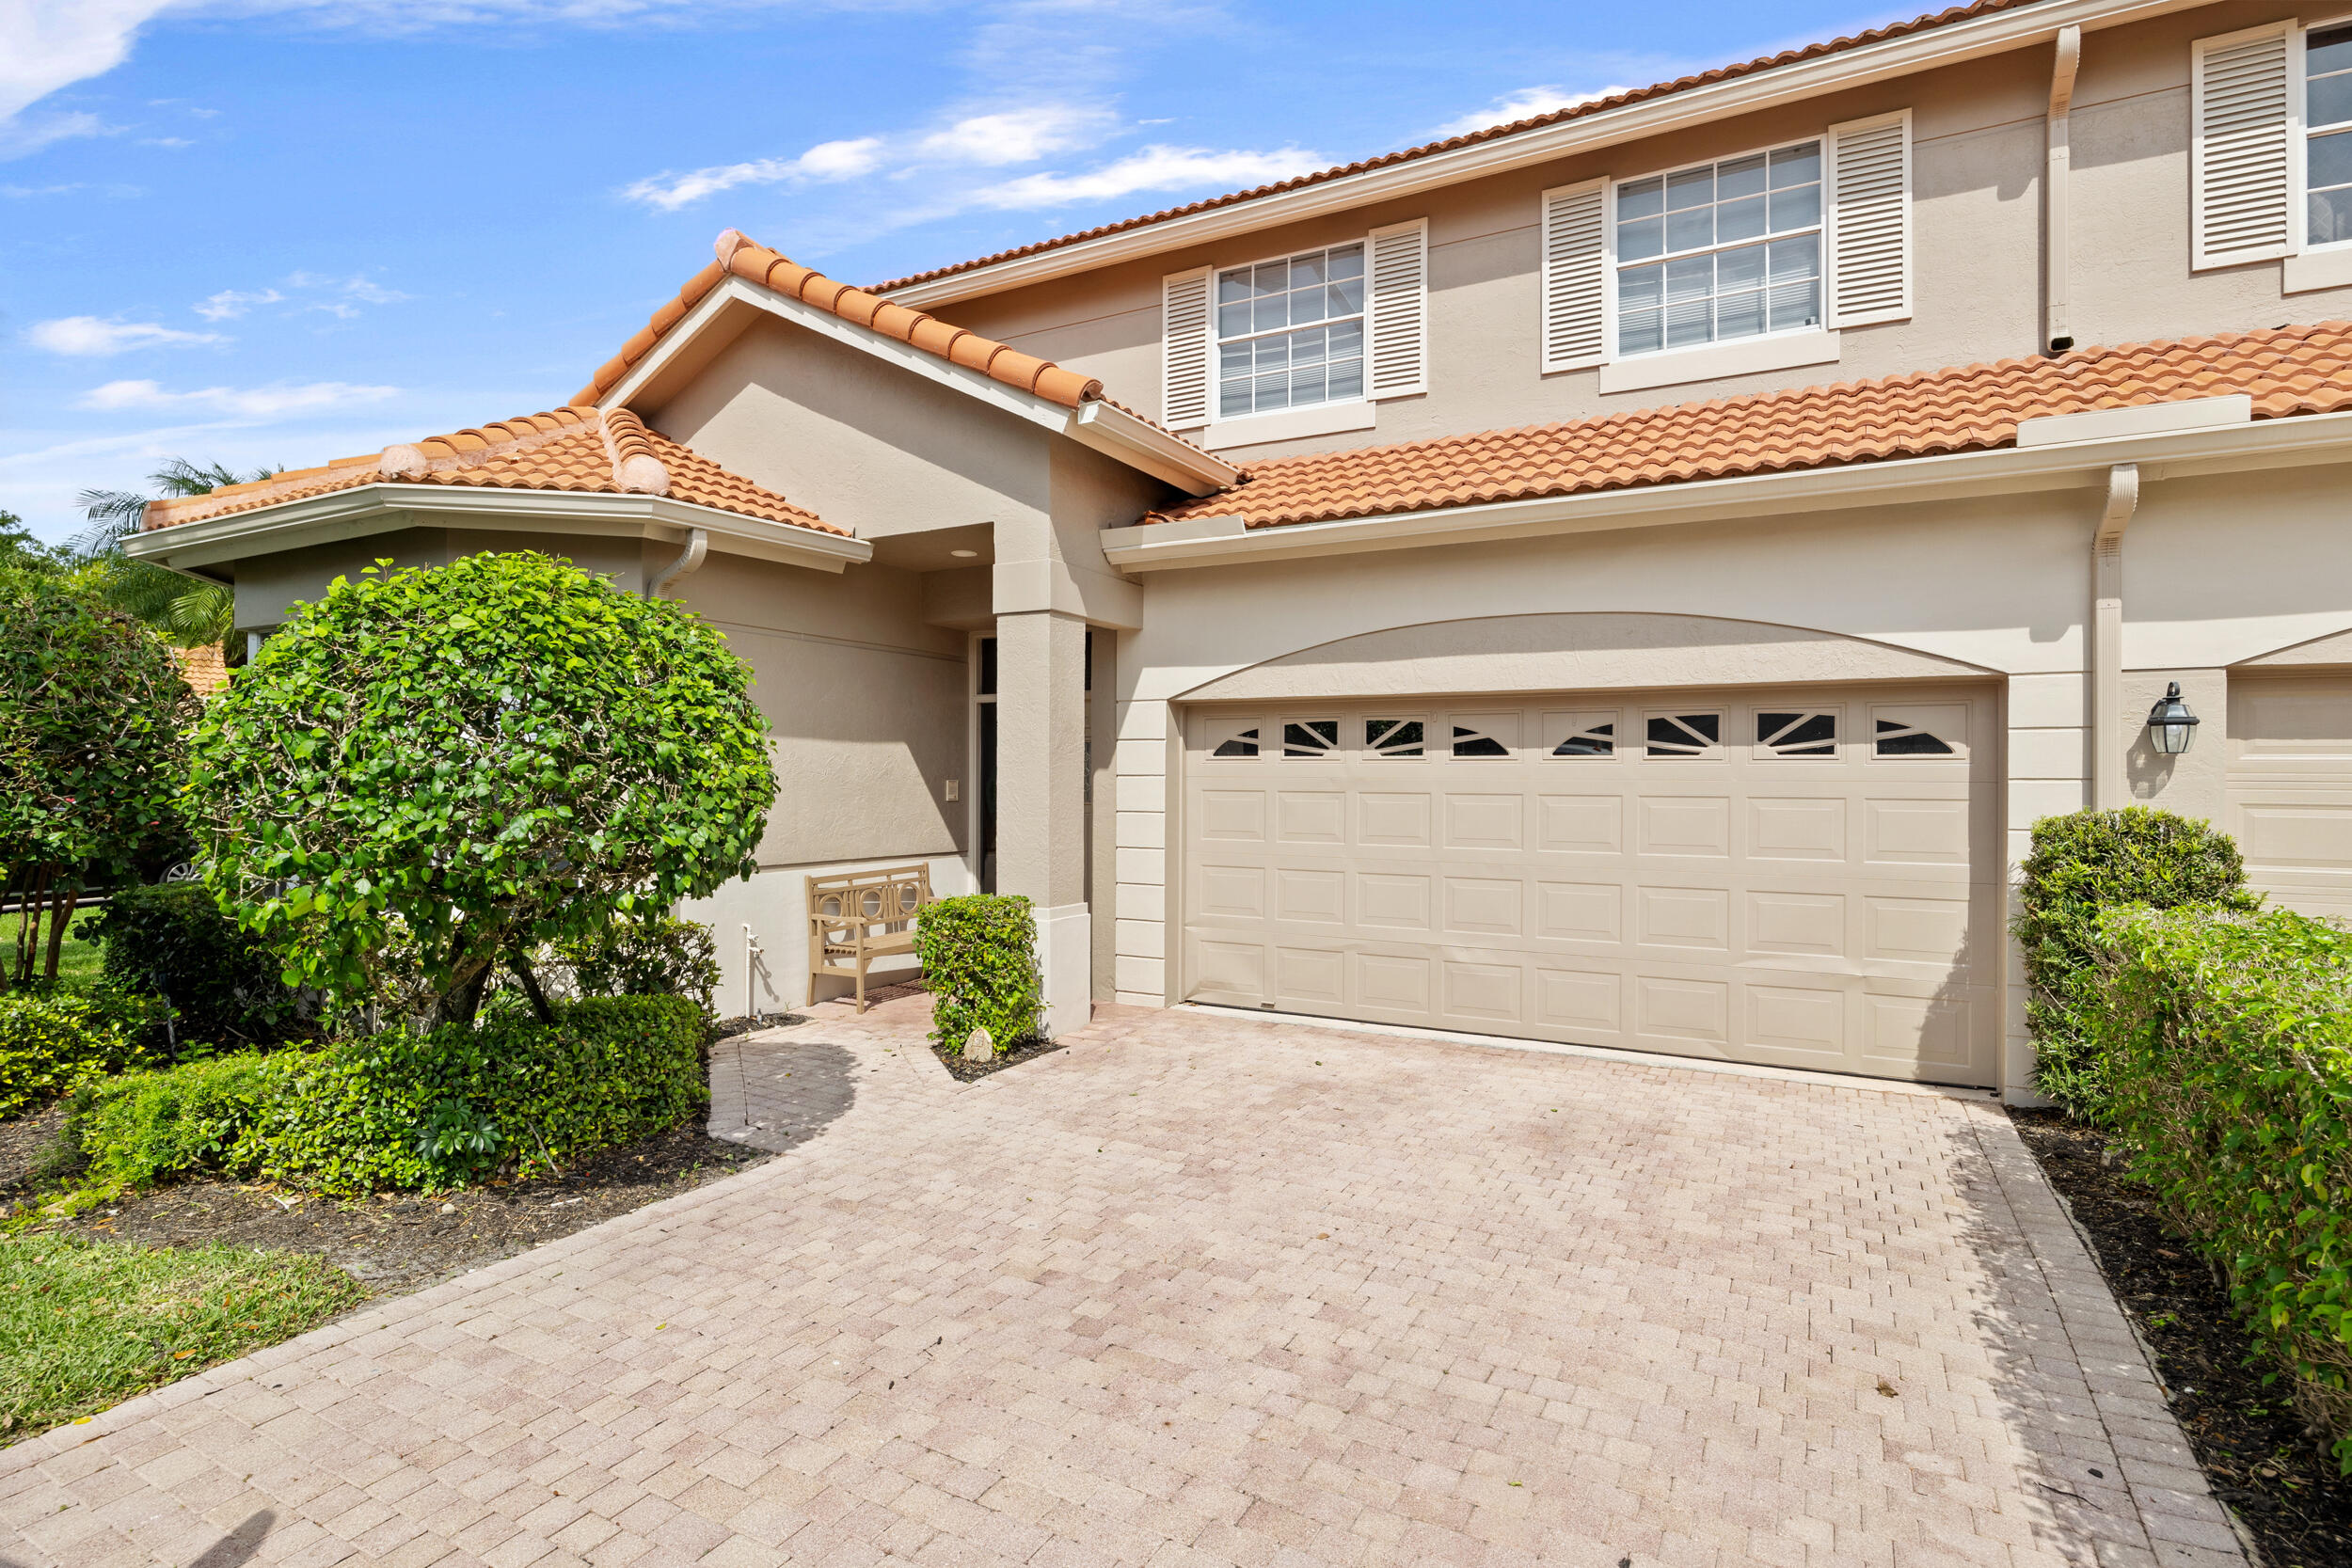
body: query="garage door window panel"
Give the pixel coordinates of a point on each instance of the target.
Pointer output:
(1794, 732)
(1918, 732)
(1394, 738)
(1685, 735)
(1311, 737)
(1483, 737)
(1581, 736)
(1235, 739)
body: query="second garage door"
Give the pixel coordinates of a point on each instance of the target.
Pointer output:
(1805, 878)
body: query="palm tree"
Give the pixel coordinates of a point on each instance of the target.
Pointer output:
(191, 614)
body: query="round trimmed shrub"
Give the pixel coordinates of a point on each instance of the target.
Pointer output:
(2083, 865)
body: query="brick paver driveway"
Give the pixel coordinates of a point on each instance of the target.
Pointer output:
(1202, 1290)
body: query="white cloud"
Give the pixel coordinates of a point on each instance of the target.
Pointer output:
(1150, 168)
(26, 134)
(1524, 104)
(174, 142)
(55, 43)
(230, 303)
(1016, 135)
(823, 163)
(88, 335)
(257, 402)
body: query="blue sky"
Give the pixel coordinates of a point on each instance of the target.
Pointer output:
(276, 231)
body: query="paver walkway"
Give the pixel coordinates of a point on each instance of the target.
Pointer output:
(1201, 1291)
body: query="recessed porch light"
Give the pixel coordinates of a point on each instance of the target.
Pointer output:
(963, 555)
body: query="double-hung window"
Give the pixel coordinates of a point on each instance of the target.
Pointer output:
(2327, 135)
(1290, 334)
(1721, 251)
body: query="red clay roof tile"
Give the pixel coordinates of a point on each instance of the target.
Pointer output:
(572, 449)
(758, 264)
(2287, 371)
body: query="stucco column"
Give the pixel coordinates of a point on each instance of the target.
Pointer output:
(1041, 796)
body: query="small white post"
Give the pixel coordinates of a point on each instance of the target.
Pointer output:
(751, 951)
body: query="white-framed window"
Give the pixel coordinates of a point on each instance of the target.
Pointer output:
(2327, 135)
(1720, 251)
(1290, 332)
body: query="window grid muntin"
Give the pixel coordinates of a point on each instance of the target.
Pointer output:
(1268, 358)
(1789, 256)
(2327, 135)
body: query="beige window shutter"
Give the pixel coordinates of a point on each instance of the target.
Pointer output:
(1396, 332)
(1186, 379)
(1576, 276)
(1868, 196)
(2243, 95)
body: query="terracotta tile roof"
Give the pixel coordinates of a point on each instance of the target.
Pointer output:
(2289, 370)
(758, 264)
(1577, 111)
(205, 669)
(572, 449)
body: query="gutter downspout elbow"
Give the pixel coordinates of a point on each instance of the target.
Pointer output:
(2056, 336)
(2107, 785)
(697, 546)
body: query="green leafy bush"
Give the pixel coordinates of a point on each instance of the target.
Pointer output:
(52, 1042)
(979, 962)
(431, 772)
(662, 957)
(2228, 1047)
(2081, 865)
(399, 1110)
(200, 1116)
(171, 941)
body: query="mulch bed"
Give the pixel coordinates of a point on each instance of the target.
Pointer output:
(2253, 1446)
(394, 1243)
(1028, 1051)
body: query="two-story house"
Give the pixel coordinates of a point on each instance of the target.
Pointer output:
(1631, 577)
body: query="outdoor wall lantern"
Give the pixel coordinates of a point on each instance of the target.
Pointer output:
(2170, 725)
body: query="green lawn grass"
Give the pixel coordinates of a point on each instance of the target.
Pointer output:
(77, 960)
(86, 1324)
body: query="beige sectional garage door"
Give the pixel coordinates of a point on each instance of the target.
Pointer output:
(2290, 787)
(1805, 878)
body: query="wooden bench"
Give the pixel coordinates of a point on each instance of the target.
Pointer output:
(855, 918)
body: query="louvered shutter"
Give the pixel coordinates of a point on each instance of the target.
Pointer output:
(1184, 341)
(1576, 276)
(1869, 220)
(2242, 114)
(1396, 348)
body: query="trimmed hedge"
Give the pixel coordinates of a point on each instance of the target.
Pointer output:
(662, 956)
(408, 1111)
(52, 1042)
(171, 941)
(979, 962)
(2083, 865)
(2228, 1041)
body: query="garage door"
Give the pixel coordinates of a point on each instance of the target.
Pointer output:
(2290, 787)
(1805, 878)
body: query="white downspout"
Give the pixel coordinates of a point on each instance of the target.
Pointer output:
(2108, 791)
(2056, 336)
(697, 546)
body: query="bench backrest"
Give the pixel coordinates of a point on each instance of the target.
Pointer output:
(861, 902)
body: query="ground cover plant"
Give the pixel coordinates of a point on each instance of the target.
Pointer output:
(432, 772)
(2082, 866)
(2229, 1044)
(86, 1324)
(979, 964)
(53, 1041)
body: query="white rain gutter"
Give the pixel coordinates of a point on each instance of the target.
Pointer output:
(2057, 336)
(2106, 653)
(697, 546)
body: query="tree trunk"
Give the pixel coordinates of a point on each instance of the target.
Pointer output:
(463, 1000)
(57, 918)
(29, 911)
(521, 966)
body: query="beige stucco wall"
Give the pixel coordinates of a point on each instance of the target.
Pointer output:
(1978, 136)
(2000, 585)
(268, 585)
(858, 439)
